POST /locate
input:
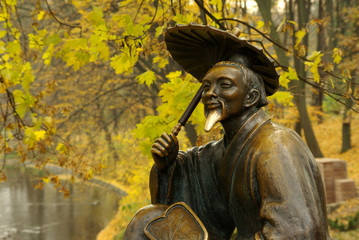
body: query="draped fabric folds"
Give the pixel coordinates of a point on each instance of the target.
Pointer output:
(266, 183)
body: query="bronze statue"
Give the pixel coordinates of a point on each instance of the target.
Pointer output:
(260, 177)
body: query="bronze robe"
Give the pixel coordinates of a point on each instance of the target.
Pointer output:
(265, 182)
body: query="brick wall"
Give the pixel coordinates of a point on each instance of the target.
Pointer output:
(335, 178)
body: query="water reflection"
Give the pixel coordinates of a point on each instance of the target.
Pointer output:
(29, 214)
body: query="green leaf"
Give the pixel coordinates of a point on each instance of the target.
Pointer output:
(53, 39)
(96, 16)
(76, 44)
(21, 107)
(147, 77)
(134, 30)
(47, 56)
(184, 19)
(27, 77)
(61, 148)
(13, 48)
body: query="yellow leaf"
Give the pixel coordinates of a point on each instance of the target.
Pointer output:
(2, 89)
(61, 148)
(292, 74)
(337, 55)
(39, 135)
(299, 35)
(260, 24)
(217, 3)
(282, 98)
(96, 16)
(292, 22)
(159, 31)
(283, 79)
(147, 77)
(2, 33)
(40, 16)
(121, 63)
(281, 25)
(314, 55)
(173, 75)
(46, 179)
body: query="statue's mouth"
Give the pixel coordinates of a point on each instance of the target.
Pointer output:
(213, 105)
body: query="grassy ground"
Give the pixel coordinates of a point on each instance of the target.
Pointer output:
(329, 137)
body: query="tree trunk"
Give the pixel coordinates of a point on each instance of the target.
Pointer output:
(347, 28)
(303, 8)
(318, 94)
(346, 143)
(346, 130)
(265, 10)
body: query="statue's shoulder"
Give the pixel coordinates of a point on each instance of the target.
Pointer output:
(277, 131)
(277, 139)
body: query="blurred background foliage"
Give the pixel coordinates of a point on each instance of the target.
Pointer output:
(88, 85)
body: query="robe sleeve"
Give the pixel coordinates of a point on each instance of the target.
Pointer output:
(163, 182)
(290, 190)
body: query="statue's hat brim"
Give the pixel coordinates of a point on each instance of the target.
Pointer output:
(197, 48)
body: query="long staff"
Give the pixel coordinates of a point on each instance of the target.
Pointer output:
(188, 111)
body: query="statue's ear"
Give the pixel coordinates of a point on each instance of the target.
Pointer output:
(252, 98)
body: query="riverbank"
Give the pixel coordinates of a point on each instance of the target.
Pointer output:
(65, 175)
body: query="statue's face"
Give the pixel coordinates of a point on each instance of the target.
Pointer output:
(223, 94)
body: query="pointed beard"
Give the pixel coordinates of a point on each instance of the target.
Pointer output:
(213, 117)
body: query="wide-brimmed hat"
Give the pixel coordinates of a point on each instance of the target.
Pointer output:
(197, 48)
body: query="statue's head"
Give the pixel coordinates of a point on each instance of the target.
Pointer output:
(230, 88)
(237, 76)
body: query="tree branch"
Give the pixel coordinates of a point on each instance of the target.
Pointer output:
(217, 21)
(62, 23)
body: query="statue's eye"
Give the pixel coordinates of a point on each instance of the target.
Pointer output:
(225, 83)
(206, 86)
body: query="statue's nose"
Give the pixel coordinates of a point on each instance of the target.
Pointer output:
(212, 92)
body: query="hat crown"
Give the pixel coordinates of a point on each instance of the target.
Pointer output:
(197, 48)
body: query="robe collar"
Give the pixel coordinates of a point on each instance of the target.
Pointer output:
(236, 146)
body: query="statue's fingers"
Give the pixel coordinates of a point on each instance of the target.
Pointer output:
(175, 140)
(168, 139)
(163, 142)
(161, 148)
(156, 151)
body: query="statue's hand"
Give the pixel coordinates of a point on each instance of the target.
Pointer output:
(164, 150)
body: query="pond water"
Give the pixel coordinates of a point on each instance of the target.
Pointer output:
(29, 214)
